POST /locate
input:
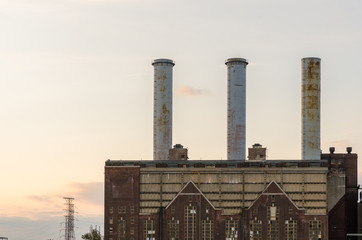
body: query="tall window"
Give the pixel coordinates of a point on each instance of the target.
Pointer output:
(122, 230)
(190, 222)
(231, 229)
(291, 230)
(207, 230)
(315, 230)
(173, 227)
(273, 223)
(255, 229)
(149, 230)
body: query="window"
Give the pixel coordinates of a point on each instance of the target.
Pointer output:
(111, 210)
(272, 198)
(122, 230)
(255, 229)
(207, 230)
(173, 229)
(132, 220)
(255, 211)
(231, 229)
(315, 230)
(132, 230)
(110, 220)
(110, 230)
(290, 210)
(190, 198)
(273, 223)
(207, 210)
(190, 222)
(172, 209)
(149, 230)
(291, 230)
(132, 209)
(122, 209)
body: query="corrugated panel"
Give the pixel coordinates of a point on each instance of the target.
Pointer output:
(150, 188)
(293, 187)
(150, 178)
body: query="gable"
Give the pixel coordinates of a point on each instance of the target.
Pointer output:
(190, 189)
(274, 188)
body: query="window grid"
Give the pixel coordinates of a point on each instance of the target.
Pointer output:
(231, 229)
(207, 230)
(149, 230)
(173, 229)
(255, 229)
(273, 223)
(190, 222)
(315, 230)
(121, 209)
(291, 230)
(122, 230)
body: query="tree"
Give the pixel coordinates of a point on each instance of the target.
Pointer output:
(93, 234)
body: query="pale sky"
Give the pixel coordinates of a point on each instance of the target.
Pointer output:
(76, 89)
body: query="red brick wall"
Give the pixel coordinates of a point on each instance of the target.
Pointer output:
(122, 189)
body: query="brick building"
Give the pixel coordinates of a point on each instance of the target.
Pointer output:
(229, 199)
(173, 198)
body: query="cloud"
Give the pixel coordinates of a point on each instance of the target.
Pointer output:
(51, 227)
(192, 92)
(40, 198)
(91, 192)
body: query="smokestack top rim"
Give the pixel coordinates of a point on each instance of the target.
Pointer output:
(311, 58)
(231, 60)
(163, 60)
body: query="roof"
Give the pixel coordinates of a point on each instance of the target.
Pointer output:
(217, 163)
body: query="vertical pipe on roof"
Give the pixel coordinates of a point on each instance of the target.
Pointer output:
(236, 137)
(162, 108)
(311, 85)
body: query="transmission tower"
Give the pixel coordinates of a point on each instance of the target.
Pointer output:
(69, 218)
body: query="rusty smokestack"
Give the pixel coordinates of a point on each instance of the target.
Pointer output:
(236, 136)
(162, 108)
(311, 130)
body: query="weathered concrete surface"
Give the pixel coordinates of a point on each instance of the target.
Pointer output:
(162, 108)
(236, 133)
(311, 85)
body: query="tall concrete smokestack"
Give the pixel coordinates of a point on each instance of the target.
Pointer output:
(311, 130)
(162, 108)
(236, 108)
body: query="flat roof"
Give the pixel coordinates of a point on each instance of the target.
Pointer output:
(218, 163)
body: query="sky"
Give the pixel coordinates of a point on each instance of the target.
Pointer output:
(76, 89)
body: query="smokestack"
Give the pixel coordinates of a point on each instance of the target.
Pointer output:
(311, 130)
(236, 108)
(162, 108)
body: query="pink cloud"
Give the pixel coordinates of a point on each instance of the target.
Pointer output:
(192, 92)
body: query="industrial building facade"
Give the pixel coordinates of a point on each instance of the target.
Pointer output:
(231, 199)
(173, 198)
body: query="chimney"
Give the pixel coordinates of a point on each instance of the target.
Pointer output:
(162, 108)
(178, 152)
(236, 108)
(311, 85)
(257, 152)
